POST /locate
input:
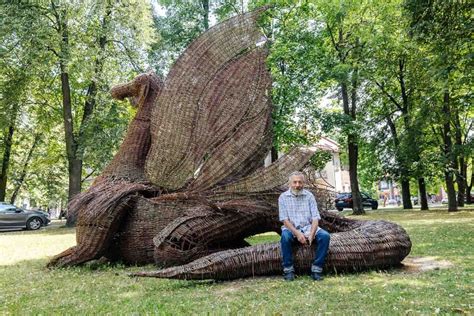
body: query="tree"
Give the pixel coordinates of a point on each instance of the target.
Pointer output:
(341, 54)
(91, 44)
(13, 96)
(397, 69)
(317, 50)
(442, 27)
(182, 21)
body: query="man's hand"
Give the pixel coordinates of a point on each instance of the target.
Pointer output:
(301, 238)
(299, 235)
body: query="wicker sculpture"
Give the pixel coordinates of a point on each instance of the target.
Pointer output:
(187, 185)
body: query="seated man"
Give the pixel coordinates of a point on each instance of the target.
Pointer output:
(299, 213)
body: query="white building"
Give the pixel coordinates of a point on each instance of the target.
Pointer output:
(334, 174)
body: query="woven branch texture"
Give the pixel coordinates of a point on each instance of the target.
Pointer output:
(187, 185)
(211, 109)
(355, 245)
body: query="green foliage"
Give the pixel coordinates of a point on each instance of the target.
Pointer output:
(370, 167)
(443, 29)
(179, 22)
(320, 159)
(315, 47)
(108, 42)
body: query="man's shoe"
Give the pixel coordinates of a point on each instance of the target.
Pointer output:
(289, 276)
(316, 276)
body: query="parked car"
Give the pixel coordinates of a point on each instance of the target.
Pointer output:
(344, 200)
(14, 217)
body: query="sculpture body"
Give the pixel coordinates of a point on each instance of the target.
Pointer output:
(187, 185)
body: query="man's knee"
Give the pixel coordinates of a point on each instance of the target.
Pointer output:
(286, 236)
(323, 236)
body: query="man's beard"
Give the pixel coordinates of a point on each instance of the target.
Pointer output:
(296, 192)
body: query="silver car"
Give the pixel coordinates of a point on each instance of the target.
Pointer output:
(14, 217)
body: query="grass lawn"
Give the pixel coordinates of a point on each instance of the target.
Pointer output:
(27, 287)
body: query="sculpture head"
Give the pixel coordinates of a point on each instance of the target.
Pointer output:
(137, 89)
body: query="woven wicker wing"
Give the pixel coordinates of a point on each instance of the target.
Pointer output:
(240, 126)
(177, 126)
(273, 176)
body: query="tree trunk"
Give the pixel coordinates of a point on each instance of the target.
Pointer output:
(406, 198)
(452, 203)
(274, 154)
(8, 141)
(469, 186)
(74, 164)
(353, 149)
(6, 160)
(405, 182)
(74, 149)
(357, 207)
(461, 171)
(71, 146)
(205, 7)
(448, 145)
(461, 181)
(423, 199)
(24, 169)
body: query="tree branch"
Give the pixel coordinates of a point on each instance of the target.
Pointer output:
(394, 101)
(53, 51)
(88, 176)
(127, 52)
(336, 47)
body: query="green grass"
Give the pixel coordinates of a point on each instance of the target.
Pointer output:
(27, 287)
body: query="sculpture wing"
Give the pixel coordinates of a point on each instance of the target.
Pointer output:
(214, 105)
(271, 177)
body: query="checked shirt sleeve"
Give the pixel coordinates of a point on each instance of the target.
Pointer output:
(282, 208)
(313, 207)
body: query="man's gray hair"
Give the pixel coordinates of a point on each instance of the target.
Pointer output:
(296, 173)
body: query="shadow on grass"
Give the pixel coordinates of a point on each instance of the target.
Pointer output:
(58, 230)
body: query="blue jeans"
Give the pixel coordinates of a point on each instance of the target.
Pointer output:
(322, 246)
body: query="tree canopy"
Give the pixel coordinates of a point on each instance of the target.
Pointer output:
(391, 81)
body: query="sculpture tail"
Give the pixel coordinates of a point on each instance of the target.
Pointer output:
(104, 205)
(374, 244)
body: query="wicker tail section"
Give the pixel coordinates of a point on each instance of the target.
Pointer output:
(374, 244)
(100, 213)
(194, 236)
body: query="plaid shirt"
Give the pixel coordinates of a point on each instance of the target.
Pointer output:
(300, 210)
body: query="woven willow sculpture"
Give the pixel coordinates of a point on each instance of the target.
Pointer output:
(187, 185)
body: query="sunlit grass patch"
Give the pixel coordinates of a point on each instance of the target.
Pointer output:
(26, 245)
(27, 287)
